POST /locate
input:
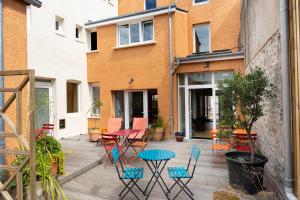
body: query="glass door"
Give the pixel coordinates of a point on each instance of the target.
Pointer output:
(42, 104)
(136, 105)
(201, 112)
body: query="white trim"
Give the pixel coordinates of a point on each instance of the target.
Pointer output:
(145, 104)
(139, 17)
(136, 44)
(141, 34)
(47, 85)
(200, 3)
(126, 105)
(187, 110)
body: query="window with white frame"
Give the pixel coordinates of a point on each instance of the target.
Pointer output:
(59, 24)
(78, 32)
(95, 93)
(150, 4)
(202, 38)
(135, 33)
(200, 1)
(72, 97)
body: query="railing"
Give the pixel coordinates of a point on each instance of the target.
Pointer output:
(27, 145)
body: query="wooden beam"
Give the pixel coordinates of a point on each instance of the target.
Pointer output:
(5, 194)
(14, 72)
(5, 135)
(7, 89)
(13, 175)
(19, 185)
(19, 112)
(31, 135)
(13, 96)
(8, 167)
(14, 152)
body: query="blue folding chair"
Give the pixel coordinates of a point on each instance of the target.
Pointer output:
(128, 176)
(186, 173)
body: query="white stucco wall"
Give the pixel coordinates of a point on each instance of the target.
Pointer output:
(63, 58)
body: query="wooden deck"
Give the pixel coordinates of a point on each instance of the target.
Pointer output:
(101, 182)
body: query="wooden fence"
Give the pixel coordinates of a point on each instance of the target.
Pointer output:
(27, 145)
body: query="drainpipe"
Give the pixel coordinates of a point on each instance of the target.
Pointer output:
(286, 93)
(171, 76)
(1, 78)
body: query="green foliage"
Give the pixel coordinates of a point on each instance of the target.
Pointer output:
(95, 106)
(48, 151)
(224, 134)
(243, 99)
(158, 123)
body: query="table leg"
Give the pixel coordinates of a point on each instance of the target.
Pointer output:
(157, 175)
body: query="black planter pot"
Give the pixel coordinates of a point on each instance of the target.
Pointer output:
(246, 175)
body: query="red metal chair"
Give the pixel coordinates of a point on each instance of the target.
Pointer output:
(141, 125)
(108, 144)
(48, 128)
(114, 124)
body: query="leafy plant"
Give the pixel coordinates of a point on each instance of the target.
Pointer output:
(243, 99)
(95, 108)
(158, 123)
(48, 151)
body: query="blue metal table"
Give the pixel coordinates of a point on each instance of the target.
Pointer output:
(156, 160)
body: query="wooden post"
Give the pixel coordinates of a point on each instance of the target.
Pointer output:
(19, 112)
(31, 135)
(19, 185)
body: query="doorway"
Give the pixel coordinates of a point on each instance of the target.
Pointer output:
(201, 115)
(43, 103)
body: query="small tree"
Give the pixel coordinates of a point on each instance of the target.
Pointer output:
(243, 99)
(95, 110)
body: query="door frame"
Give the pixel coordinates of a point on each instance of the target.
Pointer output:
(187, 106)
(126, 106)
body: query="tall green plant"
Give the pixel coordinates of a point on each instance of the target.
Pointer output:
(243, 99)
(95, 107)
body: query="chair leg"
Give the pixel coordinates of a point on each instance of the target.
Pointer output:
(182, 188)
(129, 189)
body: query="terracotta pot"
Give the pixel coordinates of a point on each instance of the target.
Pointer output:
(94, 135)
(54, 168)
(158, 134)
(179, 138)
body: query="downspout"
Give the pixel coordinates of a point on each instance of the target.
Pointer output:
(286, 93)
(1, 78)
(171, 76)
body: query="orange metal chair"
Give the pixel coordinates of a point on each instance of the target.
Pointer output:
(141, 125)
(217, 144)
(114, 124)
(140, 145)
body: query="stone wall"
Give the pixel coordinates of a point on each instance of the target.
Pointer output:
(269, 127)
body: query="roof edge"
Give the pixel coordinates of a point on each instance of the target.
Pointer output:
(210, 57)
(112, 19)
(35, 3)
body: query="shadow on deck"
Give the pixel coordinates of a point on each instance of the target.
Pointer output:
(86, 178)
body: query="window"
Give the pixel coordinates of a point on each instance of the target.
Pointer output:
(95, 98)
(78, 32)
(93, 41)
(72, 97)
(202, 38)
(200, 1)
(150, 4)
(135, 33)
(59, 22)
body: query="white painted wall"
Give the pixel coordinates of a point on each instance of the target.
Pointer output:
(62, 57)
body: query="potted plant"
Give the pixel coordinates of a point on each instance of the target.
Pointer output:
(158, 129)
(49, 166)
(179, 136)
(94, 132)
(242, 102)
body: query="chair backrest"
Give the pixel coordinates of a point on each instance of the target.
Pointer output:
(115, 154)
(139, 123)
(114, 124)
(116, 157)
(195, 157)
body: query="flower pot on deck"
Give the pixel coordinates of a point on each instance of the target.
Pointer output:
(94, 135)
(158, 134)
(244, 174)
(179, 136)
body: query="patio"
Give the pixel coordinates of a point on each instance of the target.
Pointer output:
(101, 182)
